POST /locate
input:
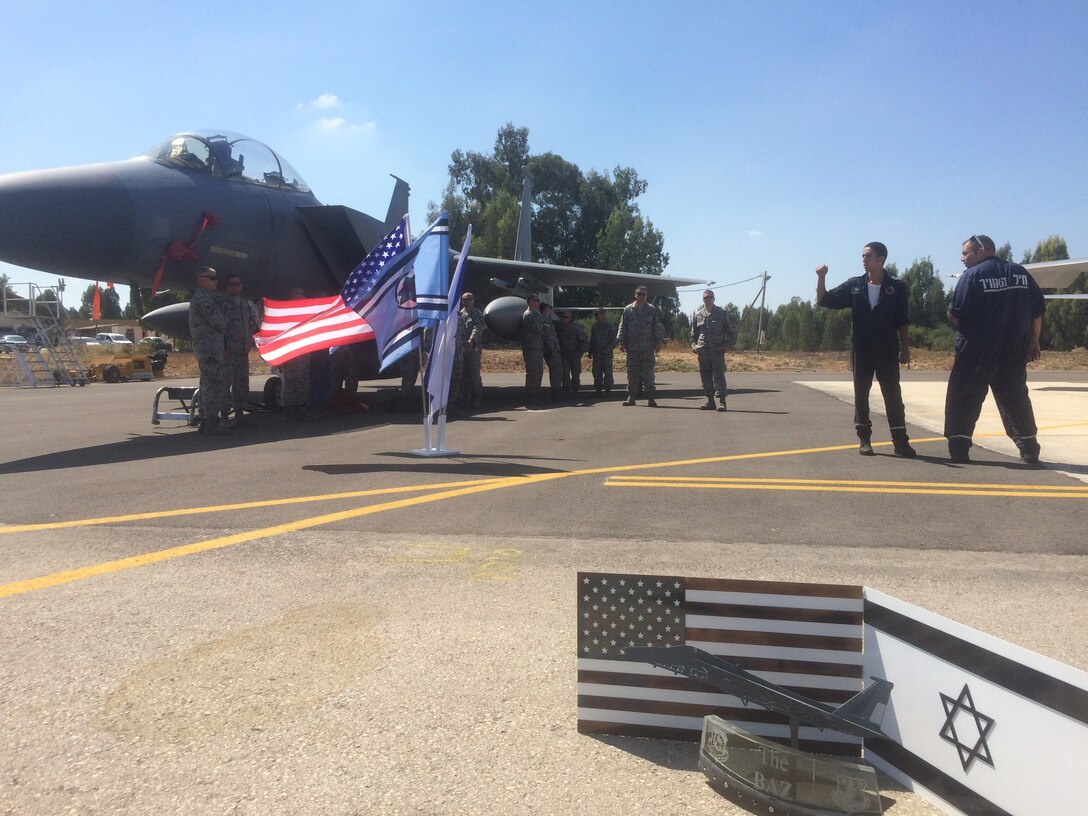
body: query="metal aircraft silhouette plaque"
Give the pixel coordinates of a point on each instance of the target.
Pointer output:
(741, 765)
(745, 767)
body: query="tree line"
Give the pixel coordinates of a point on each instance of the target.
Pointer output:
(801, 325)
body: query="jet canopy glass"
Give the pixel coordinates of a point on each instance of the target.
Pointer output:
(231, 156)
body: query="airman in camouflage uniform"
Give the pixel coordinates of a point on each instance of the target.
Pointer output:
(472, 384)
(238, 340)
(712, 331)
(552, 357)
(207, 326)
(296, 380)
(533, 328)
(573, 343)
(602, 340)
(641, 335)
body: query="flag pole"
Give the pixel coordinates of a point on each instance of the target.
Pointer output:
(422, 388)
(439, 388)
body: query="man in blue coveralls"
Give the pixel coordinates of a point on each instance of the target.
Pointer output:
(878, 304)
(997, 310)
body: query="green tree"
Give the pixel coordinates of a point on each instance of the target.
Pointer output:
(1050, 249)
(836, 334)
(110, 300)
(681, 328)
(579, 219)
(927, 301)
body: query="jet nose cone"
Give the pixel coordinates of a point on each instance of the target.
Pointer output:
(172, 320)
(76, 221)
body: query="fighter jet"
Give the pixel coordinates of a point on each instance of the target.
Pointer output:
(855, 716)
(228, 201)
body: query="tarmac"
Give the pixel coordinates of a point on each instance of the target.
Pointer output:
(309, 619)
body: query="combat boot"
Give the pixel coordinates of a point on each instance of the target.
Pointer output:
(958, 452)
(865, 447)
(901, 445)
(1029, 452)
(709, 405)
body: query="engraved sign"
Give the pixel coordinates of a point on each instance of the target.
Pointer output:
(791, 781)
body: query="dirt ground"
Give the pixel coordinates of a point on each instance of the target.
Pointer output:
(509, 361)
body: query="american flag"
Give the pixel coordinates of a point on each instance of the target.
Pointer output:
(387, 299)
(277, 316)
(362, 281)
(804, 637)
(291, 328)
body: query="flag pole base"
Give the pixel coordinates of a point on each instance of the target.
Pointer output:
(434, 452)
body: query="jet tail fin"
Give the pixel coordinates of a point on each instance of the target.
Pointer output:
(398, 204)
(523, 249)
(869, 704)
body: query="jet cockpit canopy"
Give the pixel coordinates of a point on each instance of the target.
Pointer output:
(229, 155)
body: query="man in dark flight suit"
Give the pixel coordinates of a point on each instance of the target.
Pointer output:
(878, 304)
(997, 310)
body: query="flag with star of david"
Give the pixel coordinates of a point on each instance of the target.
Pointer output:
(390, 304)
(804, 637)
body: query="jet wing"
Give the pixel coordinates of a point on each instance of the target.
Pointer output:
(1057, 274)
(342, 235)
(551, 275)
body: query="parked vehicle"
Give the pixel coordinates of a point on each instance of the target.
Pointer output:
(10, 342)
(118, 341)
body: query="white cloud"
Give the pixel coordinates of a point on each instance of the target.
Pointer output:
(327, 100)
(322, 120)
(754, 233)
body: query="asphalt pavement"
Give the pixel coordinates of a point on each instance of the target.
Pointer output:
(310, 619)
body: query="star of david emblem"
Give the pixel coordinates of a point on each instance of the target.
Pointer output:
(975, 725)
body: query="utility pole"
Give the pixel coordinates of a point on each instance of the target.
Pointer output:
(762, 300)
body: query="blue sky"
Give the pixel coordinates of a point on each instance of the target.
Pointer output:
(775, 136)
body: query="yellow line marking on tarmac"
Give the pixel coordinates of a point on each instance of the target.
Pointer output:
(221, 508)
(459, 489)
(803, 485)
(57, 578)
(714, 481)
(190, 511)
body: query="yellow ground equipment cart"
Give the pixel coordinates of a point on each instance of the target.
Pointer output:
(122, 369)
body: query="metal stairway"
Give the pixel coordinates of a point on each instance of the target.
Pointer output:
(53, 363)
